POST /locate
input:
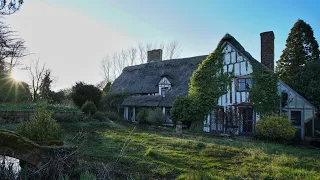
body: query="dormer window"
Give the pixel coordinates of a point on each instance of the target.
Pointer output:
(164, 86)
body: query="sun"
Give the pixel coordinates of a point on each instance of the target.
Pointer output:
(16, 75)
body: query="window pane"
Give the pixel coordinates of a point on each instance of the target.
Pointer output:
(308, 116)
(292, 101)
(248, 83)
(299, 103)
(242, 86)
(242, 80)
(296, 118)
(306, 106)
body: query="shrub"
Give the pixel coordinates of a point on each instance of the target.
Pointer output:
(68, 117)
(89, 107)
(87, 176)
(111, 102)
(99, 116)
(182, 110)
(107, 115)
(155, 117)
(113, 116)
(142, 115)
(275, 128)
(82, 92)
(41, 126)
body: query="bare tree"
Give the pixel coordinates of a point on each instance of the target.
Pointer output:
(173, 50)
(112, 67)
(106, 66)
(12, 48)
(132, 53)
(142, 53)
(100, 85)
(36, 72)
(116, 59)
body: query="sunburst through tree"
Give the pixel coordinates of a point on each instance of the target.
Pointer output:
(13, 91)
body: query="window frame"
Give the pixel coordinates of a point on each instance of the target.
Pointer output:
(245, 84)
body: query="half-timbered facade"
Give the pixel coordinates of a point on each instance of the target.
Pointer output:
(157, 83)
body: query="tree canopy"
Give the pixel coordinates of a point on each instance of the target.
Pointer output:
(301, 47)
(307, 82)
(82, 92)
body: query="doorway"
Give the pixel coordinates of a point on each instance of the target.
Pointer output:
(295, 117)
(246, 118)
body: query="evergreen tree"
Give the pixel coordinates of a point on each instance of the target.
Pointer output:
(45, 86)
(307, 82)
(107, 87)
(301, 47)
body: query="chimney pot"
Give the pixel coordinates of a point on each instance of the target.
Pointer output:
(267, 49)
(154, 55)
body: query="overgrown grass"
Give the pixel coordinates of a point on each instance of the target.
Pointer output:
(152, 155)
(23, 107)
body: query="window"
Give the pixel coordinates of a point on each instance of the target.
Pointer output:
(164, 91)
(164, 86)
(244, 84)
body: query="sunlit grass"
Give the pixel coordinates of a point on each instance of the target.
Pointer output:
(151, 155)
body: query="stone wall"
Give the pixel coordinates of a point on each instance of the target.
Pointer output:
(19, 116)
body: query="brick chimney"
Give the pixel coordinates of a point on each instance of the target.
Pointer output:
(267, 49)
(154, 55)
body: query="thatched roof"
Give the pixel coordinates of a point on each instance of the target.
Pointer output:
(144, 78)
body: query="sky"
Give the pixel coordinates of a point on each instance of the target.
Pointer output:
(72, 36)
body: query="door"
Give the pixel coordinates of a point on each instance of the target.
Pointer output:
(246, 115)
(295, 117)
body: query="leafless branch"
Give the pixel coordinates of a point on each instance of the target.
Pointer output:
(36, 72)
(12, 48)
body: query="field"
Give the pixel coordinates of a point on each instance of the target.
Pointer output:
(152, 153)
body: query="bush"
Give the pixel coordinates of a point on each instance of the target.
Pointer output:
(182, 110)
(41, 126)
(142, 115)
(89, 108)
(108, 114)
(111, 102)
(68, 117)
(275, 128)
(99, 116)
(155, 117)
(82, 92)
(113, 116)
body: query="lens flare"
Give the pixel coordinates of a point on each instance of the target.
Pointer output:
(16, 75)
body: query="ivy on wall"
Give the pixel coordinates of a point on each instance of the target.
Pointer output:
(207, 84)
(264, 95)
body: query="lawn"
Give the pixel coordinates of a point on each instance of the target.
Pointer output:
(155, 154)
